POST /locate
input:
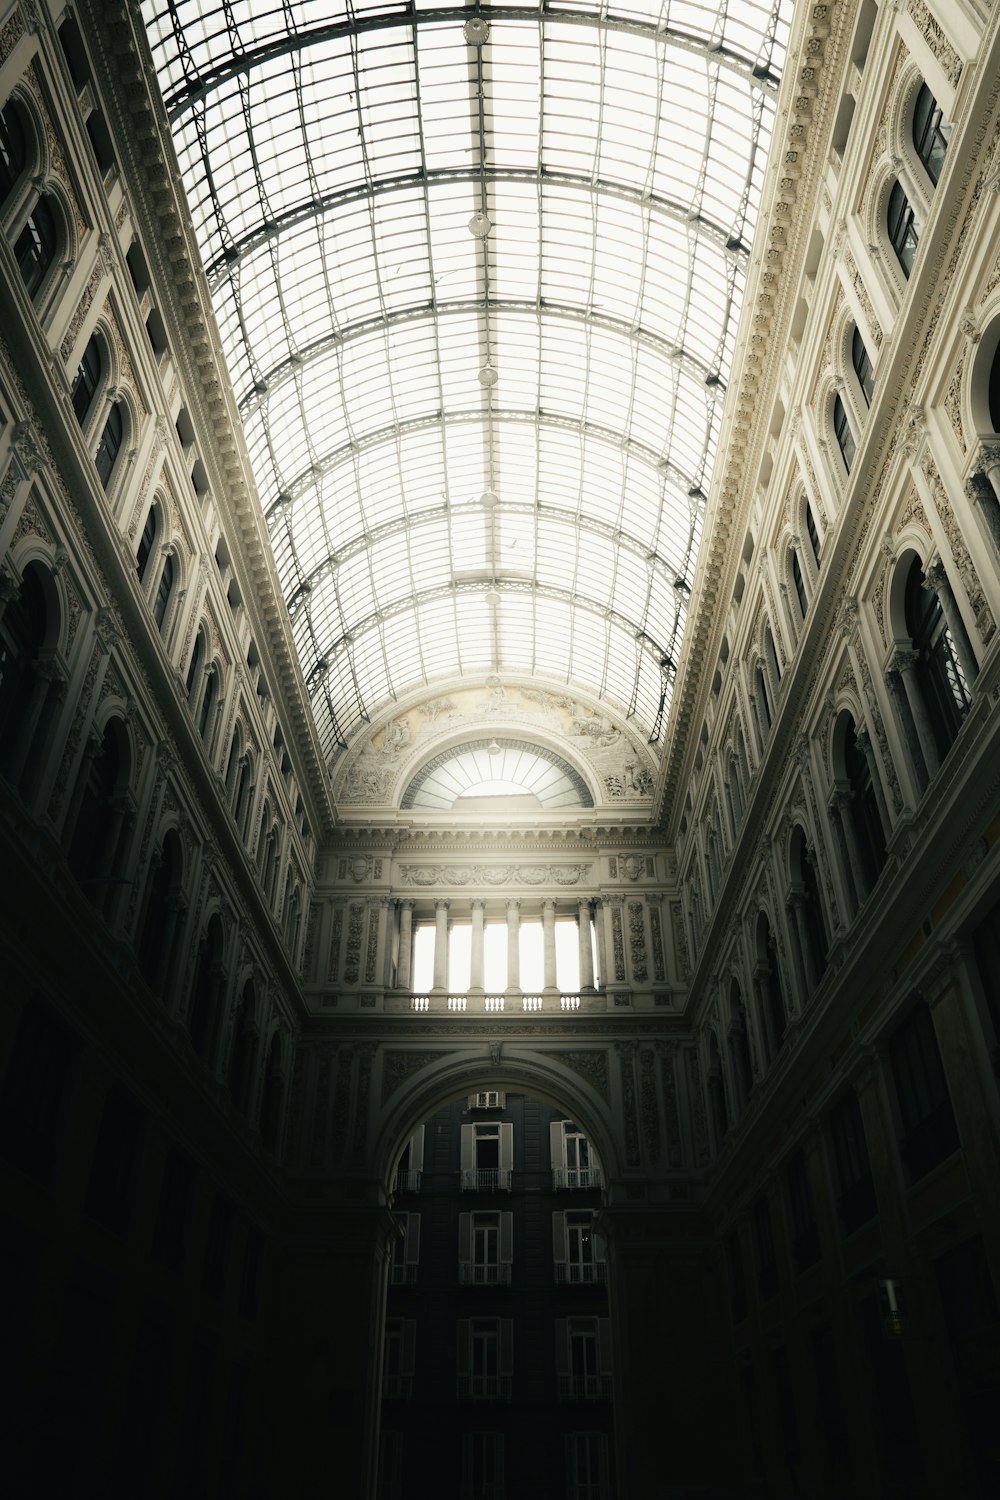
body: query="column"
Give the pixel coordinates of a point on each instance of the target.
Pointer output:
(513, 947)
(478, 955)
(936, 579)
(983, 490)
(46, 675)
(797, 902)
(549, 946)
(904, 662)
(405, 960)
(842, 802)
(864, 743)
(586, 946)
(441, 946)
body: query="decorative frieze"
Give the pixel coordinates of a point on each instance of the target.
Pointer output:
(637, 942)
(656, 935)
(618, 944)
(399, 1067)
(494, 875)
(355, 926)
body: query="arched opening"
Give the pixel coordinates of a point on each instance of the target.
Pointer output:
(809, 924)
(16, 139)
(95, 853)
(767, 977)
(87, 380)
(147, 543)
(164, 590)
(842, 432)
(902, 227)
(35, 247)
(207, 991)
(799, 585)
(164, 899)
(864, 806)
(24, 630)
(862, 366)
(941, 682)
(930, 133)
(812, 533)
(497, 1351)
(739, 1038)
(196, 666)
(110, 444)
(243, 1052)
(209, 694)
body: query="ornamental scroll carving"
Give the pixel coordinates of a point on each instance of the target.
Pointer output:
(637, 942)
(696, 1101)
(371, 955)
(680, 939)
(626, 1065)
(936, 40)
(494, 875)
(398, 1067)
(985, 623)
(336, 936)
(618, 944)
(355, 924)
(656, 932)
(591, 1066)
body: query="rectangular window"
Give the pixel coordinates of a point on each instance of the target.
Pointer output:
(399, 1357)
(488, 1099)
(583, 1359)
(485, 1248)
(929, 1133)
(485, 1357)
(855, 1188)
(805, 1235)
(587, 1467)
(487, 1156)
(574, 1162)
(482, 1466)
(406, 1251)
(578, 1253)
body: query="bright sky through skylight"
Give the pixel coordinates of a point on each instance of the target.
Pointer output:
(479, 305)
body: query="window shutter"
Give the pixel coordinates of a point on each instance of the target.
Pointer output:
(408, 1352)
(600, 1248)
(557, 1145)
(559, 1239)
(506, 1346)
(562, 1347)
(604, 1345)
(506, 1147)
(507, 1238)
(468, 1147)
(465, 1237)
(462, 1346)
(412, 1246)
(417, 1150)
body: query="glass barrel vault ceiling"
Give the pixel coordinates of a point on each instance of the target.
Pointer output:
(477, 272)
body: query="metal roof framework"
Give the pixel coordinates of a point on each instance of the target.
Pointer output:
(477, 271)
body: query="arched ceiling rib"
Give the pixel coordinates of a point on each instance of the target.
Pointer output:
(443, 269)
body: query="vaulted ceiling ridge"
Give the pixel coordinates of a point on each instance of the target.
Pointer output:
(810, 92)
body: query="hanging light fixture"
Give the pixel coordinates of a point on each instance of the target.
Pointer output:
(489, 498)
(493, 748)
(476, 31)
(488, 375)
(480, 226)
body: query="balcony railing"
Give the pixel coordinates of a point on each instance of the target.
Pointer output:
(581, 1273)
(486, 1180)
(584, 1387)
(495, 1004)
(484, 1387)
(472, 1273)
(577, 1177)
(406, 1181)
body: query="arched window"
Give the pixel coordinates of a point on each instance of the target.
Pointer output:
(233, 762)
(88, 379)
(812, 533)
(94, 852)
(208, 698)
(110, 444)
(243, 795)
(772, 654)
(23, 631)
(262, 838)
(798, 582)
(842, 430)
(243, 1054)
(930, 133)
(993, 392)
(736, 788)
(206, 996)
(769, 982)
(146, 543)
(14, 140)
(864, 806)
(862, 366)
(942, 682)
(270, 872)
(271, 1096)
(763, 698)
(164, 589)
(163, 903)
(195, 665)
(904, 232)
(36, 245)
(810, 926)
